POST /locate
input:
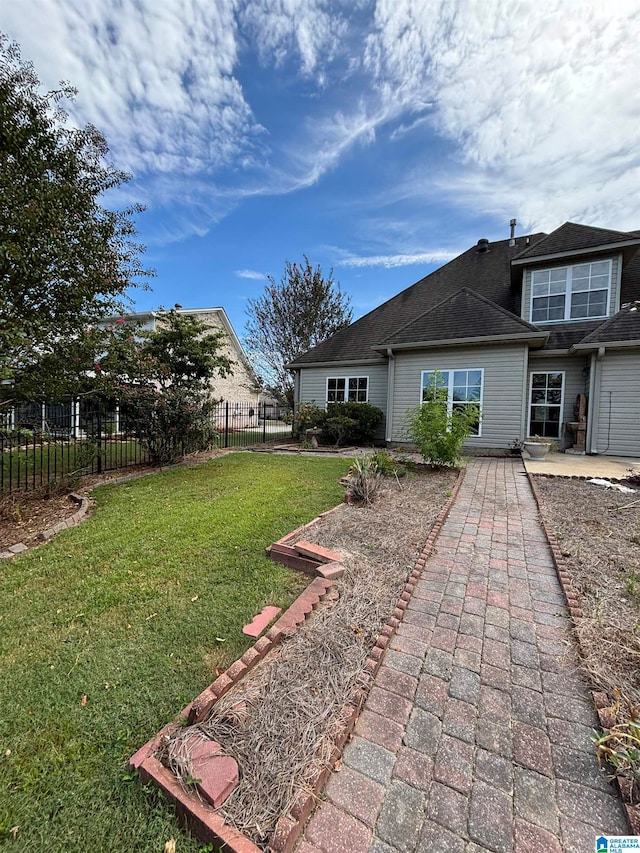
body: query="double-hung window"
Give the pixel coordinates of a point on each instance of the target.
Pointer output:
(347, 389)
(461, 388)
(545, 406)
(578, 292)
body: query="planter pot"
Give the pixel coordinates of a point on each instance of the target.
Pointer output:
(536, 449)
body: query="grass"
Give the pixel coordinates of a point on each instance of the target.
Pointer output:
(134, 610)
(35, 464)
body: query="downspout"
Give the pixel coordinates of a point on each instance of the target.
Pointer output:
(388, 432)
(525, 394)
(593, 413)
(296, 396)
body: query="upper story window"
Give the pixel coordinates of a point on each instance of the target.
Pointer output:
(578, 292)
(347, 389)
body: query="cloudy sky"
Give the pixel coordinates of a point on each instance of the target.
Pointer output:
(379, 137)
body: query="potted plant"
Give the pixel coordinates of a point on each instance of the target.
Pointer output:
(536, 448)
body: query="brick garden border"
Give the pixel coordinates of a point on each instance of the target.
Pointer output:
(601, 700)
(201, 818)
(78, 516)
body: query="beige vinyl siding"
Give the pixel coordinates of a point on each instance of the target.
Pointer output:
(618, 427)
(502, 391)
(574, 383)
(614, 293)
(313, 382)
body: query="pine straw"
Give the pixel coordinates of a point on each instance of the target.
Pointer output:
(599, 533)
(278, 721)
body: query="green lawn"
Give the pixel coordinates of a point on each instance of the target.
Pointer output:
(128, 609)
(35, 464)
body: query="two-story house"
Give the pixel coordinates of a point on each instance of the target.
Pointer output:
(529, 328)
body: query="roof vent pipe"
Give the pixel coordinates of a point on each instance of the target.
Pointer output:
(512, 238)
(483, 244)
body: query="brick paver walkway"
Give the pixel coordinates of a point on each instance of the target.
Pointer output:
(476, 733)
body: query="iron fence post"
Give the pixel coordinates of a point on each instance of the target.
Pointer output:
(99, 442)
(226, 423)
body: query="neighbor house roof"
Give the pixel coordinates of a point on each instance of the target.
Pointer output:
(464, 316)
(486, 273)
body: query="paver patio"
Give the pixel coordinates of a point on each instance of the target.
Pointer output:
(476, 733)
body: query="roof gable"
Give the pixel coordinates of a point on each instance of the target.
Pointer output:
(572, 237)
(623, 326)
(486, 273)
(466, 314)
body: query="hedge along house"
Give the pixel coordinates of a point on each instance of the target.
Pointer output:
(530, 328)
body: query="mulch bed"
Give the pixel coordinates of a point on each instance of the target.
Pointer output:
(23, 517)
(277, 722)
(598, 530)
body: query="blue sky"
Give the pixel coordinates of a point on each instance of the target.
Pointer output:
(379, 137)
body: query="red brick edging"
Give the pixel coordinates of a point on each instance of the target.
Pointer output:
(45, 535)
(288, 830)
(201, 818)
(601, 700)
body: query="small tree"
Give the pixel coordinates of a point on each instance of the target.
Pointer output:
(291, 317)
(438, 429)
(167, 397)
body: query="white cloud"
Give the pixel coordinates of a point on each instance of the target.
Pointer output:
(534, 104)
(252, 274)
(312, 29)
(437, 256)
(540, 100)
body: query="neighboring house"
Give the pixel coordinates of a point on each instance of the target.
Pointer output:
(520, 326)
(241, 386)
(239, 393)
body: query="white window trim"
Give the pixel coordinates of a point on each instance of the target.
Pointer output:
(567, 295)
(450, 371)
(560, 422)
(346, 387)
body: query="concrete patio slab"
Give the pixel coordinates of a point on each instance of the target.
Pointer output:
(569, 465)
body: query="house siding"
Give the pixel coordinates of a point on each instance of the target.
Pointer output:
(618, 428)
(502, 392)
(313, 386)
(574, 383)
(614, 295)
(240, 385)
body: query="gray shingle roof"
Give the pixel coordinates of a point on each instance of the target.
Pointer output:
(623, 326)
(573, 237)
(466, 314)
(408, 316)
(487, 273)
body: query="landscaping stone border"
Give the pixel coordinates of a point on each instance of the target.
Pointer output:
(601, 700)
(78, 516)
(202, 819)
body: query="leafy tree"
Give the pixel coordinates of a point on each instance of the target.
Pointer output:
(440, 430)
(66, 261)
(292, 316)
(165, 385)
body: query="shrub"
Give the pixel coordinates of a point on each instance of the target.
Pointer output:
(364, 481)
(170, 423)
(440, 434)
(352, 423)
(307, 416)
(384, 463)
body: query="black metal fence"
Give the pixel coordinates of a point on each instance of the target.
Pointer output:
(42, 443)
